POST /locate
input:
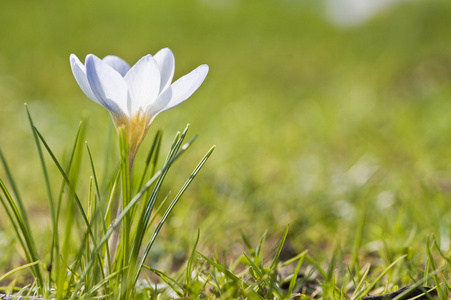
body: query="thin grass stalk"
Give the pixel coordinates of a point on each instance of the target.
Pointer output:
(189, 267)
(24, 236)
(61, 262)
(168, 211)
(373, 284)
(20, 235)
(430, 245)
(245, 288)
(47, 185)
(152, 156)
(15, 190)
(143, 220)
(295, 276)
(125, 228)
(262, 276)
(101, 218)
(55, 240)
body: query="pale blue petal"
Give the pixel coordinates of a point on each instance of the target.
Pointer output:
(143, 81)
(160, 104)
(108, 86)
(117, 63)
(166, 62)
(79, 71)
(184, 87)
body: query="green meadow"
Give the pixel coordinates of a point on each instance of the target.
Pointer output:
(341, 133)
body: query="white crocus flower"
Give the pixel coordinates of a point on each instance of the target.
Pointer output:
(134, 96)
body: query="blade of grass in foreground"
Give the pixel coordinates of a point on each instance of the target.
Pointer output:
(16, 220)
(152, 156)
(429, 245)
(168, 211)
(243, 286)
(279, 249)
(59, 264)
(372, 285)
(148, 206)
(15, 190)
(24, 236)
(189, 267)
(46, 179)
(19, 269)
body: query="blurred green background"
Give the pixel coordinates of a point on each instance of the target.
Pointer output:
(318, 123)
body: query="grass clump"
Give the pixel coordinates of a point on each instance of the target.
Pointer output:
(82, 262)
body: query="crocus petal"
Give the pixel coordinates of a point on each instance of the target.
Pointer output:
(117, 63)
(160, 104)
(79, 71)
(108, 86)
(143, 81)
(185, 86)
(166, 63)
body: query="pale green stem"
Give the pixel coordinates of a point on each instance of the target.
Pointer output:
(114, 240)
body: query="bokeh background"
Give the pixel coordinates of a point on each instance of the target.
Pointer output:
(325, 114)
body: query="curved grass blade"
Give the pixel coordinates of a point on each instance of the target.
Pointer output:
(24, 236)
(279, 249)
(372, 285)
(168, 211)
(243, 286)
(172, 283)
(15, 191)
(295, 275)
(19, 269)
(263, 277)
(148, 206)
(189, 267)
(152, 156)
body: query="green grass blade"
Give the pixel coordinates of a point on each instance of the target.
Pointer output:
(19, 269)
(247, 243)
(152, 156)
(46, 180)
(258, 250)
(20, 235)
(55, 250)
(373, 284)
(279, 249)
(93, 169)
(189, 267)
(168, 211)
(240, 283)
(24, 236)
(262, 276)
(429, 246)
(293, 280)
(15, 191)
(172, 283)
(143, 221)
